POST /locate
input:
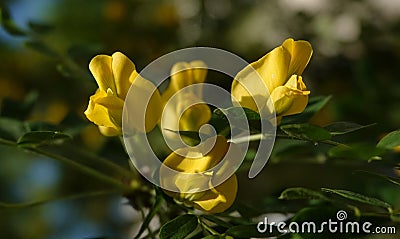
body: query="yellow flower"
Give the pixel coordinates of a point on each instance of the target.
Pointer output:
(114, 76)
(176, 118)
(281, 71)
(214, 200)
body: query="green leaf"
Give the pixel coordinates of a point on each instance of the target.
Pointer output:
(390, 141)
(359, 198)
(41, 47)
(38, 138)
(306, 132)
(301, 193)
(339, 128)
(179, 227)
(8, 23)
(247, 231)
(357, 151)
(314, 105)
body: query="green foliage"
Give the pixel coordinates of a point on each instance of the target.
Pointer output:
(306, 132)
(390, 141)
(179, 228)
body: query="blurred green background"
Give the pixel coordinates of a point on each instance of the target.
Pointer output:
(44, 77)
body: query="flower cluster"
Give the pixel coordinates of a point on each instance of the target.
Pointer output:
(280, 71)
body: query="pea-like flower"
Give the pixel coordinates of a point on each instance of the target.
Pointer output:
(114, 76)
(281, 71)
(178, 116)
(186, 187)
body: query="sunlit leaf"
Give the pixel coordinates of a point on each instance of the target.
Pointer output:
(339, 128)
(301, 193)
(179, 227)
(390, 141)
(38, 138)
(359, 198)
(306, 131)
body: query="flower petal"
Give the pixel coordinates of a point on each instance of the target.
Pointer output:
(135, 102)
(122, 68)
(100, 66)
(220, 198)
(98, 113)
(301, 52)
(273, 67)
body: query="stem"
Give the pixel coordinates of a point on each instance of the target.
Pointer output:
(329, 142)
(84, 169)
(75, 196)
(208, 228)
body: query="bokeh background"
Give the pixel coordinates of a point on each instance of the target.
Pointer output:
(44, 77)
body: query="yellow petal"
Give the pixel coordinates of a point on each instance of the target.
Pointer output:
(194, 117)
(220, 198)
(122, 68)
(181, 76)
(98, 113)
(300, 52)
(199, 71)
(114, 106)
(108, 131)
(273, 67)
(135, 103)
(100, 66)
(291, 98)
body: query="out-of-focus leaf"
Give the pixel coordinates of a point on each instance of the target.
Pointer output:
(339, 128)
(390, 141)
(19, 110)
(358, 151)
(393, 180)
(179, 227)
(314, 105)
(301, 193)
(41, 47)
(359, 198)
(247, 231)
(8, 23)
(39, 28)
(307, 132)
(11, 129)
(38, 138)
